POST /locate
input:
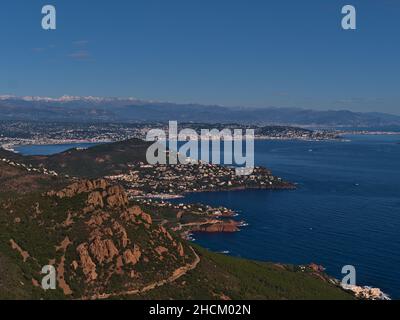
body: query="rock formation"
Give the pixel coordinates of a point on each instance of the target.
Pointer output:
(132, 256)
(366, 293)
(105, 242)
(95, 199)
(218, 226)
(135, 214)
(86, 263)
(103, 250)
(79, 187)
(116, 197)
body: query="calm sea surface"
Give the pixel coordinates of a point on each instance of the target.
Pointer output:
(346, 210)
(45, 150)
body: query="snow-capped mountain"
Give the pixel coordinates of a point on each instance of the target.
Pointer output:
(65, 98)
(89, 108)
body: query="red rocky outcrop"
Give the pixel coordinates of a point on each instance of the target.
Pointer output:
(80, 187)
(134, 214)
(116, 197)
(95, 199)
(86, 262)
(103, 250)
(132, 256)
(219, 226)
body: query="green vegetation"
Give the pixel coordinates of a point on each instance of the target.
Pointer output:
(97, 161)
(49, 228)
(219, 276)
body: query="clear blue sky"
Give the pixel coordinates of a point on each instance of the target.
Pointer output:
(231, 52)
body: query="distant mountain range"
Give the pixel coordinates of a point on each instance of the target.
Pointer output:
(87, 109)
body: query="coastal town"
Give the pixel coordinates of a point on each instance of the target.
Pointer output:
(166, 181)
(187, 218)
(159, 186)
(17, 133)
(154, 186)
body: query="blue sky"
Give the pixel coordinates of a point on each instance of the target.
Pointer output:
(238, 52)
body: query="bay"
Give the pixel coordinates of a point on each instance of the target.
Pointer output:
(49, 149)
(346, 210)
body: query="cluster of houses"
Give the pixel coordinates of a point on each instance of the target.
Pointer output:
(30, 168)
(198, 208)
(175, 180)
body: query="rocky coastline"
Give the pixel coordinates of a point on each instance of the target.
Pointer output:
(366, 292)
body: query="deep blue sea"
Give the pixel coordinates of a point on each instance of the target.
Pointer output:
(45, 150)
(346, 210)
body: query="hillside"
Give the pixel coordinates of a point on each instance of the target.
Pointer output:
(97, 161)
(103, 246)
(98, 243)
(223, 277)
(125, 161)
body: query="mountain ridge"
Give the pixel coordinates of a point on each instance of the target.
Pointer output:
(81, 109)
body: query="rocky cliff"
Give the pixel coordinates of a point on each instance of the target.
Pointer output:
(98, 243)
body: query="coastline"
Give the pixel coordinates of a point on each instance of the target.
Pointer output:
(289, 186)
(10, 146)
(40, 142)
(334, 135)
(360, 292)
(241, 188)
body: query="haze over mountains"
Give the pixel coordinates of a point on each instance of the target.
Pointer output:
(83, 109)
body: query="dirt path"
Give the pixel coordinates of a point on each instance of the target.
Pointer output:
(178, 273)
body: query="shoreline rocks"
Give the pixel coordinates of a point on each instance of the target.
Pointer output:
(366, 293)
(227, 226)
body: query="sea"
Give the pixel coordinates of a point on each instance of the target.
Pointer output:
(345, 210)
(49, 149)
